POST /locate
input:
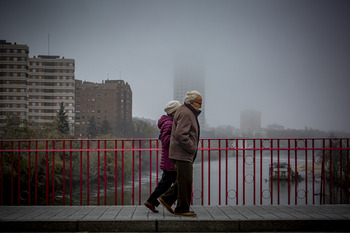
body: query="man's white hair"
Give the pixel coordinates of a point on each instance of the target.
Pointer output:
(191, 96)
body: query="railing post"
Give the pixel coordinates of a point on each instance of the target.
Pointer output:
(254, 171)
(306, 164)
(208, 171)
(157, 167)
(81, 172)
(36, 175)
(278, 172)
(219, 171)
(313, 171)
(289, 171)
(98, 172)
(2, 174)
(105, 173)
(330, 171)
(296, 172)
(133, 172)
(53, 173)
(47, 172)
(122, 172)
(341, 171)
(140, 145)
(116, 173)
(64, 171)
(29, 171)
(261, 162)
(271, 187)
(88, 171)
(347, 171)
(70, 173)
(237, 151)
(323, 176)
(226, 177)
(202, 172)
(19, 174)
(243, 171)
(150, 167)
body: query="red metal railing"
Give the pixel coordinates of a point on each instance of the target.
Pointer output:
(125, 171)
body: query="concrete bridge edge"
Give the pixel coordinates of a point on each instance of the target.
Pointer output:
(183, 225)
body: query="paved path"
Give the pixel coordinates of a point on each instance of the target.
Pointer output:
(329, 218)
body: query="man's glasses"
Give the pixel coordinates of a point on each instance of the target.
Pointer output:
(200, 103)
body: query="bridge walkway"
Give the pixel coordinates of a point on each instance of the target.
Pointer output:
(315, 218)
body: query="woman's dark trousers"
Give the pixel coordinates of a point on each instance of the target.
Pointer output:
(168, 178)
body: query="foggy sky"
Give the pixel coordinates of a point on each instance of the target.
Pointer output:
(287, 59)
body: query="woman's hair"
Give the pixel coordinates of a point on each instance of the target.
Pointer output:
(191, 96)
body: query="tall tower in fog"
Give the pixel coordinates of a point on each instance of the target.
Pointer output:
(250, 123)
(189, 74)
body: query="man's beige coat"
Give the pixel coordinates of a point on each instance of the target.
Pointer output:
(184, 135)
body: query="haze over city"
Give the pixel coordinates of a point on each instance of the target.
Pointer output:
(287, 59)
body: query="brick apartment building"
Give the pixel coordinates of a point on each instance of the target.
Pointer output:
(51, 81)
(13, 80)
(110, 100)
(33, 88)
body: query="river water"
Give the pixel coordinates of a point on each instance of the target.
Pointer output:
(240, 190)
(249, 192)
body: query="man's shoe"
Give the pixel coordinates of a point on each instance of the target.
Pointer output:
(166, 206)
(186, 214)
(151, 207)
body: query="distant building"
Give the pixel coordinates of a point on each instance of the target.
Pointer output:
(51, 82)
(189, 74)
(13, 80)
(110, 100)
(250, 122)
(275, 127)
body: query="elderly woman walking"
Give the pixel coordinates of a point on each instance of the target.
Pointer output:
(169, 174)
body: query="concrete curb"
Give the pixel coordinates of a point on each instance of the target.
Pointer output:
(198, 225)
(182, 225)
(294, 225)
(39, 226)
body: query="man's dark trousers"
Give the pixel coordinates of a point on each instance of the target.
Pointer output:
(182, 188)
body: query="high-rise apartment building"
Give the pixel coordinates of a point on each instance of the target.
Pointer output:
(50, 82)
(189, 75)
(110, 100)
(13, 80)
(250, 123)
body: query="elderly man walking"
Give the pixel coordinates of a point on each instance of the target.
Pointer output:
(183, 150)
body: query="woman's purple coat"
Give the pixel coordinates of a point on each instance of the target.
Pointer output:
(165, 124)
